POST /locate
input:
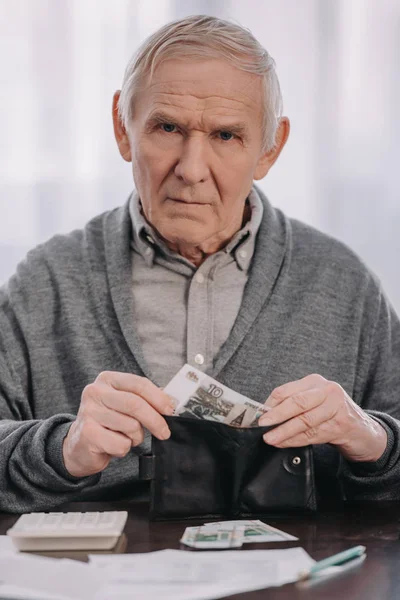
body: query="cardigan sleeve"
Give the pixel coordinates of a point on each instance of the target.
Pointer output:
(378, 393)
(32, 472)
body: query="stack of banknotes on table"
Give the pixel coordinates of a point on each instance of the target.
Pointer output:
(199, 396)
(232, 534)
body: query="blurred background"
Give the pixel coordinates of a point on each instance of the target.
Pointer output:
(339, 66)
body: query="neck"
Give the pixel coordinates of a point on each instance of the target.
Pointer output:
(197, 254)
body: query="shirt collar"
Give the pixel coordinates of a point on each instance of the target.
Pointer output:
(243, 242)
(143, 235)
(147, 242)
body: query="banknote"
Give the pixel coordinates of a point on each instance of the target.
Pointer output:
(199, 396)
(254, 531)
(207, 538)
(232, 534)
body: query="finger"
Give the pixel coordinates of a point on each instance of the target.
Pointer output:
(116, 421)
(307, 423)
(281, 393)
(319, 435)
(299, 403)
(135, 406)
(112, 443)
(141, 386)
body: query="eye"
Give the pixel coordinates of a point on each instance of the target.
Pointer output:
(225, 135)
(168, 127)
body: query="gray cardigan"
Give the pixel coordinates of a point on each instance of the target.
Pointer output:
(310, 306)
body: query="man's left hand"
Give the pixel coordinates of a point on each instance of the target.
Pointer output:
(314, 410)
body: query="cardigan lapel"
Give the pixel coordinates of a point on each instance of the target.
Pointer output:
(269, 254)
(118, 234)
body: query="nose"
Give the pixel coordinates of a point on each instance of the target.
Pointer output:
(192, 166)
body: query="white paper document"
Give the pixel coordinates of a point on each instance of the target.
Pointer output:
(181, 575)
(15, 592)
(6, 544)
(48, 577)
(163, 575)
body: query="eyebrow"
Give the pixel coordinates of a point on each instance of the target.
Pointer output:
(159, 117)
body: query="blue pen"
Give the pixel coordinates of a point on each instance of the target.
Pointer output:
(333, 561)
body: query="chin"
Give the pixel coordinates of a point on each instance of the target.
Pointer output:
(188, 233)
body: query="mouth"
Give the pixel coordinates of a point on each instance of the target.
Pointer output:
(188, 202)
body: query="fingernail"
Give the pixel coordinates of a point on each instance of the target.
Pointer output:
(165, 433)
(264, 421)
(172, 402)
(169, 410)
(270, 438)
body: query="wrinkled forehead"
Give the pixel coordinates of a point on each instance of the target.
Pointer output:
(202, 85)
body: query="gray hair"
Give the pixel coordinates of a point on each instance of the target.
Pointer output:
(201, 36)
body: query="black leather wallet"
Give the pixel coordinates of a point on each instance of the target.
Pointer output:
(208, 469)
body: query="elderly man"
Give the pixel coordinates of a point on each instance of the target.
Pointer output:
(196, 267)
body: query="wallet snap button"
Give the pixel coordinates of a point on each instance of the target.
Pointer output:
(297, 464)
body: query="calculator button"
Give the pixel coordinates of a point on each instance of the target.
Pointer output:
(71, 520)
(51, 521)
(107, 519)
(31, 521)
(89, 520)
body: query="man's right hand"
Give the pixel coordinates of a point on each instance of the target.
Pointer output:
(113, 411)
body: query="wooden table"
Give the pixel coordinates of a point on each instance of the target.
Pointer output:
(375, 526)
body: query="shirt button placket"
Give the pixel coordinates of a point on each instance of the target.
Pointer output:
(198, 321)
(199, 359)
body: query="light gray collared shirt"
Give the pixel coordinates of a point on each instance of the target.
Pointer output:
(184, 313)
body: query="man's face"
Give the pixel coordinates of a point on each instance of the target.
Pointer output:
(196, 145)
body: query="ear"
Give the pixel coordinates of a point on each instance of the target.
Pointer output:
(268, 158)
(119, 130)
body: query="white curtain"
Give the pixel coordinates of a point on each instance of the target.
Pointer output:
(339, 67)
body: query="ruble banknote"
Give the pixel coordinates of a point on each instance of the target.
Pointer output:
(233, 534)
(254, 531)
(199, 396)
(207, 538)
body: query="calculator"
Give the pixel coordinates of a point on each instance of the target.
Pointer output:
(68, 531)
